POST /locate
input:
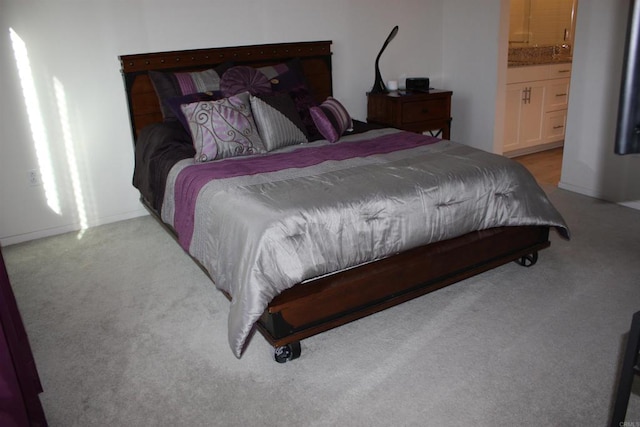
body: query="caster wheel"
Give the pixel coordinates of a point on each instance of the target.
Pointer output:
(528, 260)
(287, 352)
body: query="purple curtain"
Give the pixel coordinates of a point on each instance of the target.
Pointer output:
(19, 382)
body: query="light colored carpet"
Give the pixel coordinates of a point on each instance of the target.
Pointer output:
(128, 331)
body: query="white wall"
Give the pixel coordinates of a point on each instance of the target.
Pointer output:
(87, 144)
(473, 59)
(459, 44)
(590, 166)
(475, 42)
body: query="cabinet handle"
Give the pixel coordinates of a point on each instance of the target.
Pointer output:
(526, 95)
(561, 94)
(564, 71)
(558, 127)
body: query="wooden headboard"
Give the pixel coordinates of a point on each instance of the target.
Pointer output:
(144, 108)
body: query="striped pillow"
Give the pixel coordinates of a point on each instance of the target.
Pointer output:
(278, 121)
(199, 81)
(331, 119)
(169, 85)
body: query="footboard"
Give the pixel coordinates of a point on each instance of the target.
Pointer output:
(334, 300)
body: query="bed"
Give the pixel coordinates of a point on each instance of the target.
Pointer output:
(308, 236)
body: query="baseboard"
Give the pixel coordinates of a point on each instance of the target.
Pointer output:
(580, 190)
(633, 205)
(591, 193)
(69, 228)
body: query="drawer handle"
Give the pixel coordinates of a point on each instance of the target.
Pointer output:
(558, 127)
(561, 94)
(564, 71)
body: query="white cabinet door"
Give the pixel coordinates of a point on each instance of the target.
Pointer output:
(515, 96)
(524, 115)
(531, 131)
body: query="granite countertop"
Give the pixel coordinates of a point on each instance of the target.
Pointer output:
(539, 55)
(539, 61)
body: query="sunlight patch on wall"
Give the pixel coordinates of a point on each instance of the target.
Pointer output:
(36, 122)
(70, 152)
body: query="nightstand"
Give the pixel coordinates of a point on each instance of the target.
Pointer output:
(412, 111)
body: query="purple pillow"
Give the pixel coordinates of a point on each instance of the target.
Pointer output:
(223, 128)
(331, 119)
(244, 79)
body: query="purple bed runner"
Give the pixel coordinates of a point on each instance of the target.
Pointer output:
(193, 178)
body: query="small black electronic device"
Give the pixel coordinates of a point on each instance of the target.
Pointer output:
(417, 84)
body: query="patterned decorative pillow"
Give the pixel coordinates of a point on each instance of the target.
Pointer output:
(170, 85)
(223, 128)
(331, 119)
(278, 120)
(176, 103)
(244, 79)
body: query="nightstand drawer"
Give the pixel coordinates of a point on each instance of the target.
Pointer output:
(412, 111)
(420, 111)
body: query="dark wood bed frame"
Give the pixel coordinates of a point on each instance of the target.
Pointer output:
(330, 301)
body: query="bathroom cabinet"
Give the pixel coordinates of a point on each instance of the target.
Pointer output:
(536, 107)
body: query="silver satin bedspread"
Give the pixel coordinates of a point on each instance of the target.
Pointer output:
(258, 235)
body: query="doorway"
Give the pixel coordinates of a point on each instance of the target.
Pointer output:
(540, 53)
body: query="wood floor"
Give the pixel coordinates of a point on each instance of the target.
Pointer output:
(545, 165)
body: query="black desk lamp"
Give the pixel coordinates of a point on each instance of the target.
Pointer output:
(379, 86)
